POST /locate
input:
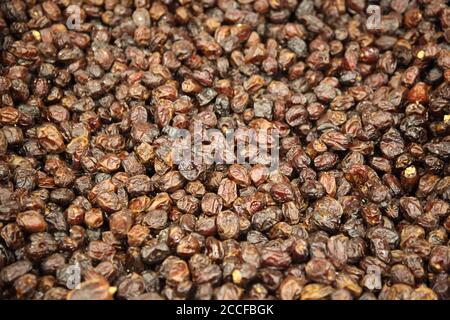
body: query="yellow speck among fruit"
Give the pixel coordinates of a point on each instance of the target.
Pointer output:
(112, 290)
(447, 119)
(236, 275)
(410, 170)
(421, 54)
(36, 34)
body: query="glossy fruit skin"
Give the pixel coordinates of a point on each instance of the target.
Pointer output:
(93, 204)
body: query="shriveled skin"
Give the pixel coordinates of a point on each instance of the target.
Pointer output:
(224, 149)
